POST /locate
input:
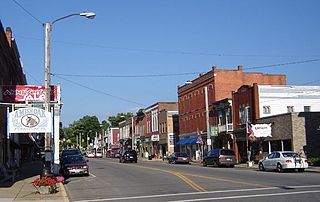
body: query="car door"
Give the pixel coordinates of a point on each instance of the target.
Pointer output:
(209, 158)
(267, 161)
(274, 161)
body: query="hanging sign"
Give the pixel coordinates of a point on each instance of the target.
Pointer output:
(261, 130)
(30, 120)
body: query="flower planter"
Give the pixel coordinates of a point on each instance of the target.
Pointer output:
(45, 189)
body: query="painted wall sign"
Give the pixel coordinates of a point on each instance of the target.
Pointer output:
(171, 139)
(30, 120)
(22, 93)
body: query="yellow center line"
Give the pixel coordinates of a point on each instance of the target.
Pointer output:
(190, 182)
(227, 180)
(193, 184)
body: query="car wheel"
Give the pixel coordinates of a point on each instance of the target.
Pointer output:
(204, 164)
(261, 167)
(301, 170)
(279, 168)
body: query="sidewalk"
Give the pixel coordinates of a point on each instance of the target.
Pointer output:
(241, 165)
(22, 189)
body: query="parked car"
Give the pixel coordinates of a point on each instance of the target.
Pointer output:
(283, 160)
(220, 157)
(179, 157)
(74, 165)
(98, 154)
(128, 156)
(91, 155)
(67, 152)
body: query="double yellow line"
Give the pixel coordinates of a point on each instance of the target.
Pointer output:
(190, 182)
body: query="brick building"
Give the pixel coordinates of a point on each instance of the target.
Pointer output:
(11, 73)
(252, 103)
(219, 84)
(152, 144)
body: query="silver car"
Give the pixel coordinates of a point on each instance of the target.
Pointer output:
(283, 160)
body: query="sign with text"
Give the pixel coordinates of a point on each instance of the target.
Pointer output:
(23, 93)
(261, 130)
(30, 120)
(155, 138)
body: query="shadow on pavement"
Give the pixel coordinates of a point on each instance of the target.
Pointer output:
(27, 170)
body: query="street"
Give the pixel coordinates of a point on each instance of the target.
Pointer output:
(110, 180)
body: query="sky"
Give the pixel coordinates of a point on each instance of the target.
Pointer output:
(136, 53)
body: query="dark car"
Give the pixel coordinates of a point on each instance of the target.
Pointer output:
(67, 152)
(220, 157)
(74, 165)
(179, 157)
(128, 156)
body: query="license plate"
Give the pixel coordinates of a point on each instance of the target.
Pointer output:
(131, 157)
(228, 159)
(184, 159)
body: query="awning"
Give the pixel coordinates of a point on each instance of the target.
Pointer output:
(191, 140)
(182, 141)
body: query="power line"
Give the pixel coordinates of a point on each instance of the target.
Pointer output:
(101, 92)
(179, 74)
(29, 13)
(167, 51)
(127, 76)
(283, 64)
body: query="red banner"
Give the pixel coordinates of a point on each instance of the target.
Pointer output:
(22, 93)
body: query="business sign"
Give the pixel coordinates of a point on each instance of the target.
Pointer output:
(155, 138)
(30, 120)
(23, 93)
(171, 139)
(261, 130)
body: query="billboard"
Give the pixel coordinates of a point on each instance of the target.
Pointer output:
(23, 93)
(261, 130)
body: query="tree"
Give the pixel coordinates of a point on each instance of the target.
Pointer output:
(140, 112)
(115, 120)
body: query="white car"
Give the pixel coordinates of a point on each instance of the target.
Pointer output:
(283, 160)
(90, 155)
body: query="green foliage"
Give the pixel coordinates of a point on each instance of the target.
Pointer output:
(314, 161)
(140, 112)
(115, 120)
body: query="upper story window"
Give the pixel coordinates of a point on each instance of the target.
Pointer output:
(266, 109)
(290, 109)
(306, 108)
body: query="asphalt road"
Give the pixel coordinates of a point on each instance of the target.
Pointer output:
(110, 180)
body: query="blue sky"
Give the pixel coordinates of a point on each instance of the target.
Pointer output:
(148, 37)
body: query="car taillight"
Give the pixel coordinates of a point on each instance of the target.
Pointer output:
(288, 161)
(306, 161)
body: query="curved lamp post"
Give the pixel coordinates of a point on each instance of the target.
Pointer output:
(48, 28)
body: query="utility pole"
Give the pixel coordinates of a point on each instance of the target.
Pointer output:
(207, 118)
(133, 138)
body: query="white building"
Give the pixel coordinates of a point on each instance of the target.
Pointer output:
(274, 100)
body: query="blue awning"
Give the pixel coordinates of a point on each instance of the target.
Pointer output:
(182, 141)
(191, 140)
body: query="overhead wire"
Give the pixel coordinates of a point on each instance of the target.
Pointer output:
(98, 91)
(29, 13)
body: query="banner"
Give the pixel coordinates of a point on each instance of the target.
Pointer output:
(30, 120)
(22, 93)
(261, 130)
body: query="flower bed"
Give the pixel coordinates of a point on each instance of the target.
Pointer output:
(47, 185)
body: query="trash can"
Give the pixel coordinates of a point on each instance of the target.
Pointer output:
(149, 157)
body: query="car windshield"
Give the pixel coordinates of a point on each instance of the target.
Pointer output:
(227, 152)
(181, 155)
(75, 159)
(290, 154)
(132, 152)
(71, 152)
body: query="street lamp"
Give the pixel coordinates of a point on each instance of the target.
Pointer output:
(48, 28)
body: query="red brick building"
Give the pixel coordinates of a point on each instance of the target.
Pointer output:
(220, 84)
(11, 73)
(151, 143)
